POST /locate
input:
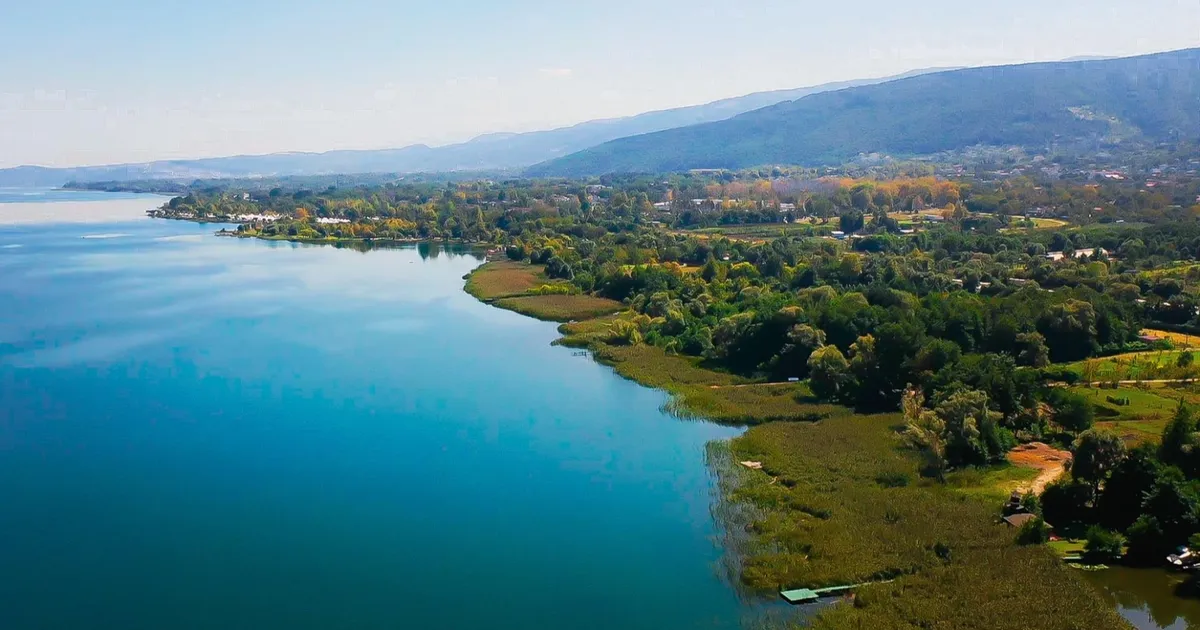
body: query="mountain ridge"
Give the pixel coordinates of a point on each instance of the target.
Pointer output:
(490, 151)
(1152, 97)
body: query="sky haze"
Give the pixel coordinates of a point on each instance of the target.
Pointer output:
(85, 83)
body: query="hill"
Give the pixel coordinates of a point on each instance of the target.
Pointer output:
(1149, 98)
(492, 151)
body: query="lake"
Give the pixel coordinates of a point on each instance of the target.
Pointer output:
(205, 432)
(1146, 597)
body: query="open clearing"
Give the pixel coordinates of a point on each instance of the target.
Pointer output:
(505, 278)
(560, 308)
(1181, 340)
(1049, 462)
(1149, 408)
(1135, 366)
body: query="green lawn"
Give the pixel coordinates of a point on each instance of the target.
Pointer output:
(1154, 365)
(994, 484)
(1067, 547)
(1143, 419)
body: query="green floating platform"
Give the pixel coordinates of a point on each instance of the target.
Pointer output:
(809, 596)
(800, 596)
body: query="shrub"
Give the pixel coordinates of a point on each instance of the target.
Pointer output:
(1065, 503)
(1031, 503)
(1061, 375)
(1034, 532)
(1147, 542)
(1103, 545)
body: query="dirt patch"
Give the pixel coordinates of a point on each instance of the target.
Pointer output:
(1050, 463)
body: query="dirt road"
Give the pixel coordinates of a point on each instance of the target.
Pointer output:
(1050, 463)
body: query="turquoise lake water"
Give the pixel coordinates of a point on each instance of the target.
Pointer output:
(198, 432)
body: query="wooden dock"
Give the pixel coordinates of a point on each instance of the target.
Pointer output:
(809, 596)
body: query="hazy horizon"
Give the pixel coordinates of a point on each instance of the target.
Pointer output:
(112, 86)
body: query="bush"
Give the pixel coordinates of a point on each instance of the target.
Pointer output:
(1103, 545)
(1031, 503)
(1147, 542)
(554, 289)
(1065, 503)
(1061, 375)
(1034, 532)
(1072, 412)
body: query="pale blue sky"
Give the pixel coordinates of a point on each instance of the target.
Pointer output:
(87, 82)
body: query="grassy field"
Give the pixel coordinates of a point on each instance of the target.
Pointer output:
(1149, 408)
(840, 502)
(1180, 340)
(505, 278)
(1174, 270)
(560, 308)
(704, 393)
(1042, 223)
(756, 233)
(994, 485)
(1147, 366)
(524, 288)
(1067, 547)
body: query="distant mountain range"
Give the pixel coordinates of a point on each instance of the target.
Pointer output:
(487, 152)
(1150, 98)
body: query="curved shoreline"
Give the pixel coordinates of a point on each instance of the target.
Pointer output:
(819, 480)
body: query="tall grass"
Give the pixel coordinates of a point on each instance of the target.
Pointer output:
(848, 506)
(505, 278)
(560, 308)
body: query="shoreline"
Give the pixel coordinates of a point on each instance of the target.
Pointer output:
(818, 481)
(835, 472)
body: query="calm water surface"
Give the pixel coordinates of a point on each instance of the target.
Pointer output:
(1146, 597)
(199, 432)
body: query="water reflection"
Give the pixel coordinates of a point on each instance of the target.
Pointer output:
(1148, 598)
(34, 213)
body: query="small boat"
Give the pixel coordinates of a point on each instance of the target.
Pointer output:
(1184, 559)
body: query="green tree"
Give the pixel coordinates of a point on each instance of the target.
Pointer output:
(1174, 505)
(1147, 543)
(1127, 488)
(925, 431)
(1033, 532)
(973, 435)
(1073, 412)
(829, 374)
(713, 271)
(1095, 455)
(1102, 544)
(792, 360)
(1179, 442)
(1070, 330)
(1032, 350)
(851, 222)
(1185, 360)
(1065, 503)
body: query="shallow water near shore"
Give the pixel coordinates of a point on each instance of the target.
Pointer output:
(200, 432)
(1147, 597)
